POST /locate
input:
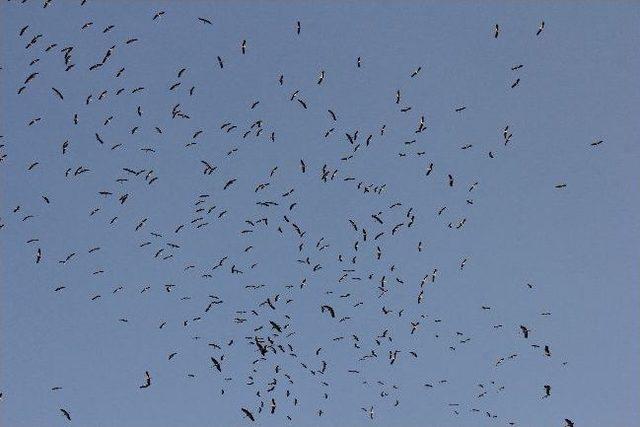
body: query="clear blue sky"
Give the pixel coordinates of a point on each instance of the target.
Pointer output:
(577, 246)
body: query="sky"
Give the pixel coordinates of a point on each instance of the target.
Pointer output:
(577, 246)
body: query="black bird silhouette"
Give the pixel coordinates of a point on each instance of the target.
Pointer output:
(329, 309)
(216, 364)
(147, 380)
(66, 414)
(229, 183)
(58, 93)
(248, 414)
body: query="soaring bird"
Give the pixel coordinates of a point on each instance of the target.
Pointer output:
(329, 309)
(216, 364)
(229, 183)
(248, 414)
(66, 414)
(147, 380)
(540, 28)
(58, 93)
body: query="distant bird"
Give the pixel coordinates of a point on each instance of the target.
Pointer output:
(205, 21)
(525, 331)
(540, 28)
(66, 414)
(328, 309)
(216, 364)
(248, 414)
(229, 183)
(496, 31)
(57, 92)
(147, 380)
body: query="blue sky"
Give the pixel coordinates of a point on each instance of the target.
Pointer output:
(577, 246)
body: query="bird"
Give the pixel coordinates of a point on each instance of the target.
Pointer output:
(329, 309)
(496, 31)
(248, 414)
(229, 183)
(216, 364)
(147, 380)
(66, 414)
(58, 93)
(205, 20)
(540, 28)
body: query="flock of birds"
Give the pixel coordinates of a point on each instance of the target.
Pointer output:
(263, 324)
